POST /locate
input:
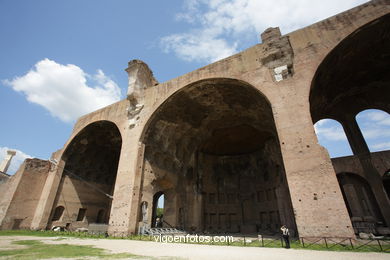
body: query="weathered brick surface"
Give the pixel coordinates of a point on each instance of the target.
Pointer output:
(180, 119)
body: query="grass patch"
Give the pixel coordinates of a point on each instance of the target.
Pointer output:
(274, 243)
(38, 250)
(49, 233)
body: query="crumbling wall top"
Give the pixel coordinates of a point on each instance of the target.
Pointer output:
(140, 77)
(270, 34)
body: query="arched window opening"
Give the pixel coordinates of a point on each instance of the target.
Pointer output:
(158, 210)
(361, 203)
(101, 216)
(331, 135)
(58, 213)
(375, 127)
(81, 214)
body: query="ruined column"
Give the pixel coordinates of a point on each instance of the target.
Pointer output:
(48, 195)
(127, 192)
(278, 54)
(7, 161)
(316, 198)
(317, 201)
(361, 150)
(126, 200)
(140, 78)
(354, 135)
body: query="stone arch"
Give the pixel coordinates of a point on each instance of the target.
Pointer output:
(90, 162)
(237, 82)
(82, 127)
(213, 143)
(353, 76)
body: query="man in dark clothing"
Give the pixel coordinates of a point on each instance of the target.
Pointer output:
(286, 235)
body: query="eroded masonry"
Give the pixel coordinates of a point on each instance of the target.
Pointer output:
(230, 146)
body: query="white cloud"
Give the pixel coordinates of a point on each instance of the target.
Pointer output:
(382, 146)
(322, 123)
(377, 116)
(331, 135)
(17, 160)
(375, 132)
(375, 127)
(220, 25)
(66, 91)
(329, 130)
(201, 47)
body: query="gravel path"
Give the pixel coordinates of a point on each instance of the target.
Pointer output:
(189, 251)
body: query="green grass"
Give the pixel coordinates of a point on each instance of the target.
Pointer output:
(160, 211)
(48, 233)
(38, 250)
(297, 245)
(255, 243)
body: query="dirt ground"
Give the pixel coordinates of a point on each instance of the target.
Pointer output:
(189, 251)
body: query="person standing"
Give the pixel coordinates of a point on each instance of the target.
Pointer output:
(286, 235)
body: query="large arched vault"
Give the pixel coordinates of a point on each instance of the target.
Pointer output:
(88, 177)
(212, 148)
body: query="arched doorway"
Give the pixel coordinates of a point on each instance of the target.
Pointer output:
(58, 213)
(158, 210)
(101, 218)
(86, 187)
(361, 204)
(212, 148)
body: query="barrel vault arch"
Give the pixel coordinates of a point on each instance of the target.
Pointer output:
(151, 114)
(89, 166)
(206, 136)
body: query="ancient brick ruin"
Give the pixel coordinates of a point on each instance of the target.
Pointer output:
(231, 145)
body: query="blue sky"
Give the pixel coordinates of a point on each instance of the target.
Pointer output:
(375, 127)
(62, 59)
